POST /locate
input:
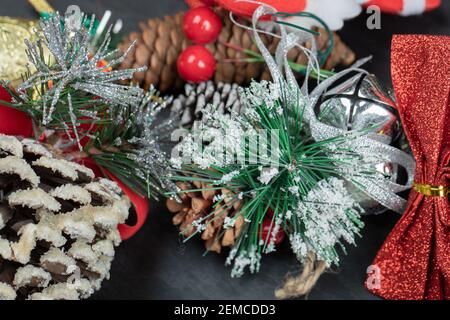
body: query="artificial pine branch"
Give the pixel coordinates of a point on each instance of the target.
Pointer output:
(129, 145)
(75, 93)
(304, 188)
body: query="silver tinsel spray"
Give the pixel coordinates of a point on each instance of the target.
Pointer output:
(74, 84)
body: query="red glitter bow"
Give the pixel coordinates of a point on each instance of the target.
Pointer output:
(414, 261)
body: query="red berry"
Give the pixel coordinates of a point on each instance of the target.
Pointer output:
(201, 25)
(196, 64)
(266, 231)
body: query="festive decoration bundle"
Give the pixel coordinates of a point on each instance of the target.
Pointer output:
(58, 222)
(76, 105)
(273, 160)
(287, 164)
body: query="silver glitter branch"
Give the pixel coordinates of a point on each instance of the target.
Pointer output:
(72, 66)
(135, 134)
(150, 157)
(74, 84)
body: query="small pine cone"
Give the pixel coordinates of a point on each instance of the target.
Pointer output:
(58, 224)
(160, 42)
(199, 205)
(220, 98)
(228, 237)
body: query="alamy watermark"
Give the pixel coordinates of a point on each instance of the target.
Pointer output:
(373, 277)
(73, 18)
(374, 19)
(259, 147)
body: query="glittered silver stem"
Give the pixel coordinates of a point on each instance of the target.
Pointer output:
(381, 190)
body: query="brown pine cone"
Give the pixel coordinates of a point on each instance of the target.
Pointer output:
(161, 40)
(58, 224)
(198, 205)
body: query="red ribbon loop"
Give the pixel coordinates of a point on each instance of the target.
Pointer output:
(12, 121)
(414, 261)
(140, 203)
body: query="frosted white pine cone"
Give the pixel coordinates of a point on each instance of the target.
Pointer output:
(58, 224)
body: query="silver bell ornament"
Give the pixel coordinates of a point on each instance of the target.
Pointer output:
(361, 103)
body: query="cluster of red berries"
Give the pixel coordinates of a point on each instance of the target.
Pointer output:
(201, 25)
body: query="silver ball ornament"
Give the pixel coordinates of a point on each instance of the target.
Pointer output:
(361, 103)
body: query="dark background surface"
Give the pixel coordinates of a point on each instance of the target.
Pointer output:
(155, 264)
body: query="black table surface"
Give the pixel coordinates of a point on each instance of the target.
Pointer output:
(156, 264)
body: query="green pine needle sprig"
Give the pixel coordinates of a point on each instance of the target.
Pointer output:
(72, 90)
(302, 182)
